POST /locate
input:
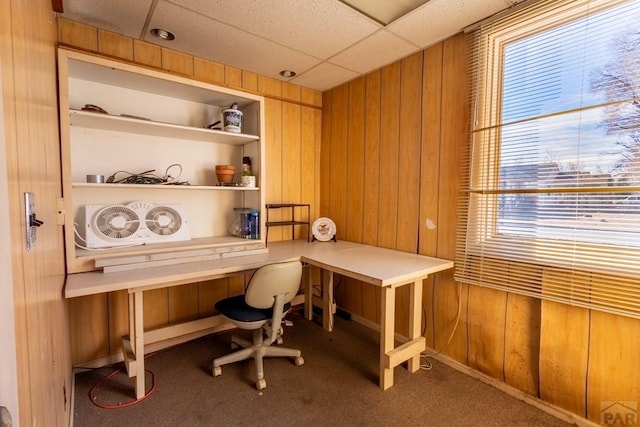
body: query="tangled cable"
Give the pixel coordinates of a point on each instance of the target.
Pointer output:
(148, 177)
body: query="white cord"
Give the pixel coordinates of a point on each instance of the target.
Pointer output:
(83, 240)
(425, 363)
(171, 179)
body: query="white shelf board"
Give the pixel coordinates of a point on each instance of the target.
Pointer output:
(88, 119)
(163, 187)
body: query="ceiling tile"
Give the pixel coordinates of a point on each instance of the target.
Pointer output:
(324, 76)
(373, 52)
(439, 19)
(267, 36)
(318, 27)
(206, 38)
(385, 11)
(120, 16)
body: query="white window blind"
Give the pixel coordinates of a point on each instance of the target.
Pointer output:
(551, 201)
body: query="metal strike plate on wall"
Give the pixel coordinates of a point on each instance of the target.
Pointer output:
(31, 222)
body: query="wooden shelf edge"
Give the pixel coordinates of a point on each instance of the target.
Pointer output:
(163, 187)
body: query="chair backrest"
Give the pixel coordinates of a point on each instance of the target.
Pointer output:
(281, 278)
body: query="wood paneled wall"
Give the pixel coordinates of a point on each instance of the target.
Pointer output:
(30, 117)
(387, 174)
(392, 142)
(292, 151)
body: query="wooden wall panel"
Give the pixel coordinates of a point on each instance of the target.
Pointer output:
(115, 45)
(409, 136)
(429, 172)
(613, 373)
(356, 168)
(356, 179)
(338, 165)
(291, 162)
(209, 71)
(77, 34)
(291, 92)
(409, 143)
(177, 62)
(568, 364)
(146, 53)
(183, 303)
(309, 163)
(563, 359)
(118, 320)
(371, 192)
(430, 150)
(522, 343)
(209, 292)
(454, 125)
(88, 318)
(273, 156)
(389, 185)
(325, 154)
(31, 163)
(233, 77)
(485, 328)
(249, 81)
(156, 308)
(338, 159)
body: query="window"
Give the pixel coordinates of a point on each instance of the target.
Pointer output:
(552, 201)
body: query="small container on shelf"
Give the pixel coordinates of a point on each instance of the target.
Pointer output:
(248, 177)
(225, 173)
(246, 223)
(232, 119)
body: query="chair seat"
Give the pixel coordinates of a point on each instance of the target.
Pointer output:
(236, 308)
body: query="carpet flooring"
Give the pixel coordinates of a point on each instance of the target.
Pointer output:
(336, 386)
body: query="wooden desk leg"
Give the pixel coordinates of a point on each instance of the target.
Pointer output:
(138, 342)
(415, 320)
(327, 302)
(387, 333)
(308, 295)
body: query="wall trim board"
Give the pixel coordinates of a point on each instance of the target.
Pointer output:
(543, 405)
(514, 392)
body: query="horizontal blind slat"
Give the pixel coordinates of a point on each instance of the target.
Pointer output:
(550, 199)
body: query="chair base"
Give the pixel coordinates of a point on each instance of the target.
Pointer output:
(257, 351)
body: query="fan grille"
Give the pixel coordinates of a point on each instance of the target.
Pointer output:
(117, 222)
(163, 220)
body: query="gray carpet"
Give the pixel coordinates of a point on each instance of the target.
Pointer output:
(337, 386)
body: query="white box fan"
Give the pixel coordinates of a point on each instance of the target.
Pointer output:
(132, 224)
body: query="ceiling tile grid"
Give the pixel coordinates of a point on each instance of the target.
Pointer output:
(377, 50)
(319, 27)
(325, 42)
(119, 16)
(324, 76)
(439, 19)
(200, 36)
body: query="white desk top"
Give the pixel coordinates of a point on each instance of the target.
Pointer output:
(378, 266)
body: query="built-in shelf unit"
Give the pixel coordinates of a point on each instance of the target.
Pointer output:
(153, 121)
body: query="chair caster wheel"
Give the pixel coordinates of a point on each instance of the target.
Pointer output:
(299, 361)
(217, 370)
(234, 346)
(261, 384)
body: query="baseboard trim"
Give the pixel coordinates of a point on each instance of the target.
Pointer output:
(549, 408)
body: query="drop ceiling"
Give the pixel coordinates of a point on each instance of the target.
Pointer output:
(326, 42)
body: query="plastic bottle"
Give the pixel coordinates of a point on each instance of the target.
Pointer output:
(254, 224)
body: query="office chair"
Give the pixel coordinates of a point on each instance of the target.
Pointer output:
(262, 309)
